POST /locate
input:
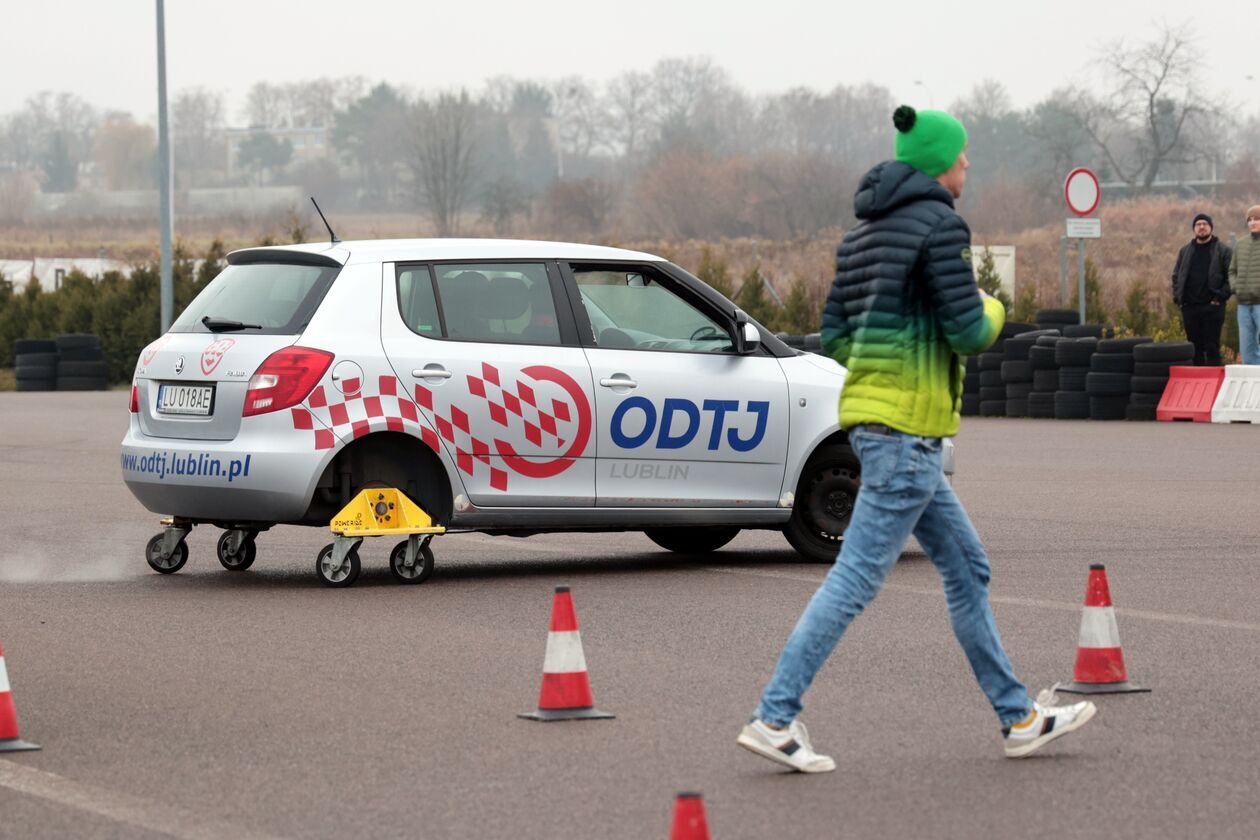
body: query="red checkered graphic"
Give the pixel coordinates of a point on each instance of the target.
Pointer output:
(389, 409)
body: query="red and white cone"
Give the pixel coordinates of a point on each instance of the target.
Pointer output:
(9, 739)
(1099, 660)
(689, 820)
(566, 686)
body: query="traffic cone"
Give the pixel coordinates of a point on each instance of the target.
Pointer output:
(1099, 660)
(566, 686)
(689, 821)
(9, 740)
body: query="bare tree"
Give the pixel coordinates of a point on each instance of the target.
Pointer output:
(442, 157)
(1151, 105)
(630, 106)
(196, 127)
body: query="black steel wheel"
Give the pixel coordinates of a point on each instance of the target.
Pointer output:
(825, 497)
(418, 573)
(244, 556)
(172, 564)
(692, 540)
(336, 575)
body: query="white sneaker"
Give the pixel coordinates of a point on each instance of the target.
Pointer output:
(1045, 723)
(789, 747)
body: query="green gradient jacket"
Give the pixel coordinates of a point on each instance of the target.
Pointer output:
(904, 307)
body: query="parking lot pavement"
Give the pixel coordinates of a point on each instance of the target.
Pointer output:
(210, 703)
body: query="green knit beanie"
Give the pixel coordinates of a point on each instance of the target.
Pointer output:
(930, 141)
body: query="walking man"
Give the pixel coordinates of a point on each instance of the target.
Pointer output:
(903, 309)
(1244, 278)
(1200, 285)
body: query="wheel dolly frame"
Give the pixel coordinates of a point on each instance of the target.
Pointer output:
(379, 512)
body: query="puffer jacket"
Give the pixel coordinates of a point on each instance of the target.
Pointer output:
(905, 307)
(1218, 272)
(1244, 269)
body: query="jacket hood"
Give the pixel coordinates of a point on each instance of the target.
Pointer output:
(893, 184)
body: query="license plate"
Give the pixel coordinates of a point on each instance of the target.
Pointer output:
(186, 399)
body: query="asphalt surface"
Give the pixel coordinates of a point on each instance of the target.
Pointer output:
(217, 704)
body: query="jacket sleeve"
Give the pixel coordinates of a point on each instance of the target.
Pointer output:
(1227, 260)
(836, 339)
(1232, 274)
(1177, 270)
(970, 321)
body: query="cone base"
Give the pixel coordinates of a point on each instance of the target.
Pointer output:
(17, 745)
(1125, 687)
(585, 713)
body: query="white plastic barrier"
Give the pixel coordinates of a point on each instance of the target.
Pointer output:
(1238, 401)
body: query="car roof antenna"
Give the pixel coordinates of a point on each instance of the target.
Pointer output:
(335, 240)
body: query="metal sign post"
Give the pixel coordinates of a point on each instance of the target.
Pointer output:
(165, 181)
(1082, 193)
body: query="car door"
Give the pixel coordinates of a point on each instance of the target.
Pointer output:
(683, 419)
(496, 367)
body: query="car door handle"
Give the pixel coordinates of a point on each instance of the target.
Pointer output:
(619, 382)
(431, 373)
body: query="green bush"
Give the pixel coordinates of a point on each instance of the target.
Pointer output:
(124, 311)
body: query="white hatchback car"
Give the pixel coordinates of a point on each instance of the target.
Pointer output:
(507, 387)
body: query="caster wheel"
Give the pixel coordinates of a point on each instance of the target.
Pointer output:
(244, 556)
(332, 574)
(172, 564)
(418, 573)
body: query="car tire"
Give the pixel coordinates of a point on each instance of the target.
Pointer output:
(1083, 331)
(82, 383)
(993, 408)
(1075, 352)
(36, 385)
(1164, 351)
(22, 346)
(1045, 381)
(690, 540)
(1071, 405)
(1108, 384)
(825, 497)
(1017, 371)
(1149, 384)
(1072, 378)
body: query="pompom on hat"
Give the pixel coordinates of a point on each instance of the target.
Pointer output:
(930, 141)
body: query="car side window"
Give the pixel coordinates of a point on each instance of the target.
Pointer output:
(417, 302)
(497, 302)
(494, 302)
(631, 309)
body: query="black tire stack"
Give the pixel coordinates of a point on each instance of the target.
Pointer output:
(1086, 331)
(1150, 375)
(1109, 382)
(35, 364)
(1057, 319)
(1045, 377)
(81, 364)
(1017, 370)
(971, 387)
(992, 392)
(1072, 356)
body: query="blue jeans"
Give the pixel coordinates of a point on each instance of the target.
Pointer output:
(904, 491)
(1249, 332)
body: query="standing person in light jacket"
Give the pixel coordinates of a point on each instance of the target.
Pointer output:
(1200, 286)
(902, 312)
(1244, 279)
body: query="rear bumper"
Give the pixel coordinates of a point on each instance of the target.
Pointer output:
(249, 478)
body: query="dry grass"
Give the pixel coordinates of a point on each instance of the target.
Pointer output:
(8, 379)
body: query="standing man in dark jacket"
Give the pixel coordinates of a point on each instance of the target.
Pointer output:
(1200, 286)
(902, 311)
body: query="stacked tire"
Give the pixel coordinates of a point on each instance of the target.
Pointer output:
(1017, 370)
(1109, 382)
(81, 364)
(35, 363)
(992, 402)
(1045, 377)
(1072, 357)
(971, 387)
(1151, 363)
(1057, 319)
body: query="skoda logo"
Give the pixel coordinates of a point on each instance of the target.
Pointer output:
(179, 365)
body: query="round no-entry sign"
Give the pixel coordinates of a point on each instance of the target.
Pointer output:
(1082, 192)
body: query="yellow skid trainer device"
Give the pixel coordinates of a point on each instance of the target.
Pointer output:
(380, 512)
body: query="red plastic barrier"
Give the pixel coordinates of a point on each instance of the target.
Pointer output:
(1190, 393)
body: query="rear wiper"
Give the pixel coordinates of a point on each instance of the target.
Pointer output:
(223, 325)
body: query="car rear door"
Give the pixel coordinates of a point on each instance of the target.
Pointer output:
(496, 367)
(683, 419)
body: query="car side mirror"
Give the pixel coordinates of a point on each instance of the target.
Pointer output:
(747, 336)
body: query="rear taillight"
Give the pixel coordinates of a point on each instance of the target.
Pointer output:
(134, 408)
(285, 378)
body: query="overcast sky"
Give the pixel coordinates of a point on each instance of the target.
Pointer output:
(925, 52)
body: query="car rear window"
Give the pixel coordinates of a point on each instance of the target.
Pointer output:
(269, 298)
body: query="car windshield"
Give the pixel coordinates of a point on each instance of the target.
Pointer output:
(260, 298)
